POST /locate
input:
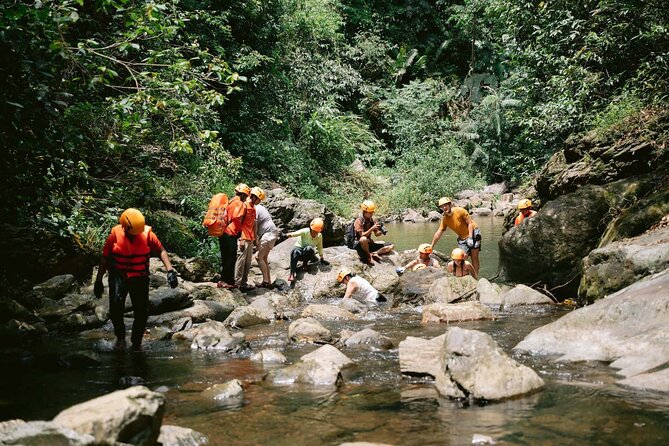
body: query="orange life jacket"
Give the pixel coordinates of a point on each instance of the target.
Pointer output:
(249, 221)
(216, 218)
(130, 255)
(521, 217)
(235, 215)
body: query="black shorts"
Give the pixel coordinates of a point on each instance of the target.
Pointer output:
(373, 247)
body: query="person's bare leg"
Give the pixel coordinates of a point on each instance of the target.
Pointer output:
(474, 253)
(386, 250)
(364, 244)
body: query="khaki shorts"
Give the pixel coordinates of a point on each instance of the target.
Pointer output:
(267, 242)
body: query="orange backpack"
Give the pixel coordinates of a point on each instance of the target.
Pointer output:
(216, 218)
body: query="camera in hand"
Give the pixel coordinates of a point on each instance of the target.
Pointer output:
(382, 228)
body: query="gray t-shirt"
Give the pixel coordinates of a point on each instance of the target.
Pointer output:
(264, 222)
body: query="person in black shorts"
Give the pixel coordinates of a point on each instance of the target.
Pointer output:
(364, 227)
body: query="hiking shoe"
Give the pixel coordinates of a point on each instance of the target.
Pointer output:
(245, 288)
(224, 285)
(120, 345)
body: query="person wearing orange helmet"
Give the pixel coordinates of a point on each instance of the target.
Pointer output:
(424, 258)
(309, 238)
(364, 227)
(458, 266)
(525, 208)
(266, 236)
(126, 256)
(228, 242)
(247, 240)
(358, 288)
(460, 222)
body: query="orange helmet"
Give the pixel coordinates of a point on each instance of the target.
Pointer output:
(457, 254)
(425, 248)
(317, 224)
(368, 206)
(524, 204)
(443, 200)
(258, 193)
(341, 275)
(132, 221)
(243, 189)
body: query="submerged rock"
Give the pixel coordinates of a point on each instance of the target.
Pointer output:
(232, 389)
(365, 337)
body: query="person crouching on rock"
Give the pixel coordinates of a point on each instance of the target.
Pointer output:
(126, 255)
(309, 238)
(458, 266)
(424, 259)
(525, 208)
(364, 227)
(358, 288)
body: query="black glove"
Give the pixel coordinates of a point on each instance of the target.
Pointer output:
(98, 288)
(172, 278)
(324, 262)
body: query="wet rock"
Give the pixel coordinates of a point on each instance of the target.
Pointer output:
(447, 289)
(232, 389)
(421, 357)
(628, 329)
(307, 372)
(181, 436)
(366, 336)
(79, 360)
(488, 293)
(522, 295)
(195, 269)
(199, 312)
(382, 275)
(166, 299)
(353, 306)
(55, 288)
(328, 353)
(38, 433)
(79, 322)
(15, 329)
(213, 335)
(131, 416)
(482, 370)
(326, 312)
(242, 317)
(309, 330)
(268, 356)
(615, 266)
(414, 286)
(224, 297)
(482, 439)
(10, 309)
(265, 307)
(465, 311)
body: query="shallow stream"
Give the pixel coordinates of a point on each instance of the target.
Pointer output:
(581, 403)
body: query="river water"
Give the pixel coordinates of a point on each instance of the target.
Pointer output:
(581, 403)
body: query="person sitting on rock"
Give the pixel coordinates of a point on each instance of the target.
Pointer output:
(309, 238)
(358, 288)
(364, 226)
(460, 222)
(126, 255)
(458, 266)
(525, 208)
(424, 258)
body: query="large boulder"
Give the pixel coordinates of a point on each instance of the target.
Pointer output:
(448, 289)
(549, 247)
(200, 311)
(133, 416)
(629, 329)
(615, 266)
(291, 213)
(39, 433)
(328, 353)
(243, 317)
(195, 269)
(55, 288)
(166, 299)
(414, 286)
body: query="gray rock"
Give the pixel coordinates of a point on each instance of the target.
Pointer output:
(449, 288)
(482, 211)
(227, 298)
(619, 264)
(326, 312)
(309, 330)
(366, 336)
(266, 307)
(132, 415)
(627, 329)
(232, 389)
(433, 216)
(181, 436)
(195, 269)
(307, 372)
(488, 293)
(242, 317)
(268, 356)
(328, 353)
(465, 311)
(465, 194)
(495, 189)
(213, 335)
(353, 306)
(56, 287)
(412, 215)
(414, 286)
(521, 295)
(166, 299)
(199, 312)
(41, 433)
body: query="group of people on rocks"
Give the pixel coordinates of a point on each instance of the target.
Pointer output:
(249, 227)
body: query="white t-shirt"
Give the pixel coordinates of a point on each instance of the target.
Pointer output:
(364, 292)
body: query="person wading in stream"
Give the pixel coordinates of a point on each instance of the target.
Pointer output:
(309, 238)
(525, 208)
(358, 288)
(246, 241)
(364, 227)
(458, 266)
(228, 241)
(126, 256)
(424, 259)
(460, 222)
(266, 235)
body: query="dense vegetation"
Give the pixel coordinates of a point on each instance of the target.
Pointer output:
(156, 104)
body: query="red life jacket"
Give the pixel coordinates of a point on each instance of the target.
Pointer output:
(521, 217)
(130, 255)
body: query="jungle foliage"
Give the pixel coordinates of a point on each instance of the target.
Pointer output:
(159, 103)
